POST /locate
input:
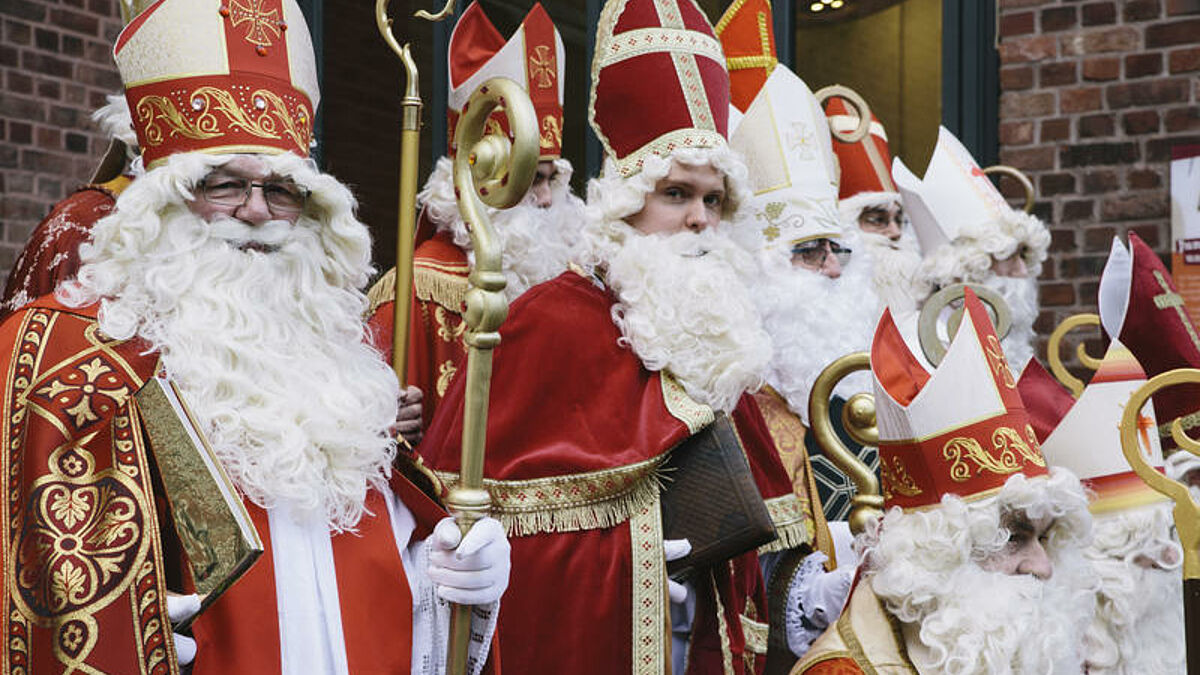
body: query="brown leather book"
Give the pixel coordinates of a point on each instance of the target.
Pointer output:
(711, 500)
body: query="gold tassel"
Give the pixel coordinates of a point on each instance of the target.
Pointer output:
(382, 291)
(446, 289)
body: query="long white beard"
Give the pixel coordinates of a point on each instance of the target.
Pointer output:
(269, 355)
(814, 320)
(1021, 294)
(894, 270)
(684, 308)
(1138, 625)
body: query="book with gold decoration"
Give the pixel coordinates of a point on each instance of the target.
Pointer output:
(214, 528)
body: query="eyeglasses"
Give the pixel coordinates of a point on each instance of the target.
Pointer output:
(813, 253)
(879, 219)
(282, 196)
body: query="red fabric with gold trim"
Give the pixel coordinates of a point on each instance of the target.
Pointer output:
(747, 34)
(234, 80)
(1046, 401)
(969, 457)
(867, 164)
(477, 52)
(1161, 334)
(659, 81)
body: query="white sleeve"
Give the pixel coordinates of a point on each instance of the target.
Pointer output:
(814, 600)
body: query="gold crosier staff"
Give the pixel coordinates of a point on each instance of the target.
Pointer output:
(494, 171)
(1187, 511)
(410, 146)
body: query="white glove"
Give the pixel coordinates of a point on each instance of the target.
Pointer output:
(674, 549)
(828, 592)
(475, 571)
(180, 608)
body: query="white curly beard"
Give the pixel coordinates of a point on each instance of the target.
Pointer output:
(894, 270)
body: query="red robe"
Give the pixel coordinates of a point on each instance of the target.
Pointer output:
(88, 550)
(576, 429)
(51, 255)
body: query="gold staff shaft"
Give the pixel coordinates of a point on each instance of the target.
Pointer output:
(487, 169)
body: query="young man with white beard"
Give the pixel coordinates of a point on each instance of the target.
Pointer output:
(977, 566)
(232, 267)
(1137, 625)
(602, 371)
(968, 233)
(539, 236)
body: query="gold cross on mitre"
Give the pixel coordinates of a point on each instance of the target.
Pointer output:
(542, 67)
(765, 60)
(1169, 299)
(260, 22)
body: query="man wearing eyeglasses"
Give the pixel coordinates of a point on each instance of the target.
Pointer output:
(233, 267)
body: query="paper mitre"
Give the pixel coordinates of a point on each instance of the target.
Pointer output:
(747, 35)
(954, 198)
(785, 142)
(866, 166)
(962, 430)
(219, 77)
(1086, 437)
(534, 57)
(1140, 306)
(658, 81)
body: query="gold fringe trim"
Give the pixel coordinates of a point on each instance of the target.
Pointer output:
(755, 633)
(382, 291)
(792, 528)
(446, 288)
(585, 501)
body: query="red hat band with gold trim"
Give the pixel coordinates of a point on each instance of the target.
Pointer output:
(747, 34)
(534, 57)
(867, 164)
(658, 81)
(962, 430)
(231, 76)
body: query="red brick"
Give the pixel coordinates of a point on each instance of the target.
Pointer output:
(1119, 39)
(1101, 68)
(1150, 92)
(74, 142)
(1083, 266)
(21, 108)
(1097, 239)
(1015, 78)
(1016, 24)
(1148, 233)
(1078, 100)
(1054, 130)
(1098, 154)
(1172, 33)
(49, 89)
(1017, 105)
(1028, 159)
(46, 64)
(1178, 7)
(1094, 126)
(1143, 65)
(1062, 240)
(48, 137)
(17, 32)
(1104, 180)
(1134, 207)
(1016, 133)
(19, 83)
(1099, 13)
(1141, 10)
(1182, 119)
(44, 162)
(72, 46)
(1159, 149)
(1057, 74)
(1140, 122)
(34, 12)
(1184, 60)
(1144, 179)
(1076, 210)
(1050, 184)
(76, 21)
(1025, 49)
(1013, 4)
(46, 40)
(1057, 295)
(1058, 18)
(20, 132)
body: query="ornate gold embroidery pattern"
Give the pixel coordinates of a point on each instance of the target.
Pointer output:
(551, 136)
(665, 145)
(792, 525)
(1005, 440)
(95, 376)
(543, 67)
(261, 23)
(268, 116)
(765, 59)
(896, 477)
(649, 592)
(641, 41)
(447, 331)
(446, 373)
(722, 621)
(573, 502)
(999, 364)
(683, 407)
(756, 635)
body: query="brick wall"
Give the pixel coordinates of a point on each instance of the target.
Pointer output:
(1094, 94)
(55, 69)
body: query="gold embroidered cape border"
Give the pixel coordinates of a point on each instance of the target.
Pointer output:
(447, 287)
(582, 501)
(792, 529)
(756, 635)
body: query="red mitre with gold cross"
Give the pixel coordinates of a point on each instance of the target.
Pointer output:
(866, 164)
(748, 37)
(219, 76)
(1140, 307)
(962, 430)
(658, 81)
(534, 57)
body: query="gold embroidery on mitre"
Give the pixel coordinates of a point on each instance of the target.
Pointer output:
(446, 373)
(1168, 299)
(542, 67)
(261, 23)
(896, 477)
(1006, 442)
(269, 117)
(999, 364)
(551, 133)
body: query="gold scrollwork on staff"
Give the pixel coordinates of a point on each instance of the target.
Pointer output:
(1012, 171)
(1054, 351)
(858, 417)
(927, 323)
(857, 102)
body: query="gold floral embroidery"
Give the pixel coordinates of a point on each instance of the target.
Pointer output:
(446, 373)
(269, 116)
(999, 364)
(1008, 445)
(896, 477)
(447, 331)
(93, 382)
(551, 134)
